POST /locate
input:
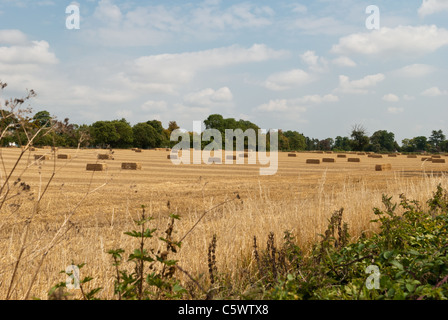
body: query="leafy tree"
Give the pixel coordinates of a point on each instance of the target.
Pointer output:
(420, 143)
(125, 134)
(382, 140)
(326, 145)
(145, 136)
(296, 140)
(436, 139)
(104, 133)
(283, 141)
(342, 144)
(360, 140)
(215, 121)
(42, 118)
(172, 125)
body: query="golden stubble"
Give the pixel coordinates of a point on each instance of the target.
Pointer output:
(84, 213)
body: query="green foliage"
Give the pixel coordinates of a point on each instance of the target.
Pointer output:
(410, 252)
(145, 136)
(382, 140)
(152, 275)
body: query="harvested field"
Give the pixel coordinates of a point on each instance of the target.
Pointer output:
(299, 197)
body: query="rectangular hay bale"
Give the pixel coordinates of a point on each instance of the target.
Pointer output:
(131, 166)
(313, 161)
(412, 156)
(342, 156)
(96, 166)
(41, 157)
(292, 155)
(171, 156)
(328, 160)
(64, 156)
(383, 167)
(438, 160)
(354, 160)
(105, 156)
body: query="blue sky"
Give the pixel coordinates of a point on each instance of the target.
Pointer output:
(309, 66)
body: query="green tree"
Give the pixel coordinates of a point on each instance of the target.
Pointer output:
(382, 140)
(342, 144)
(145, 136)
(42, 118)
(125, 134)
(104, 133)
(420, 143)
(436, 139)
(326, 144)
(359, 140)
(296, 141)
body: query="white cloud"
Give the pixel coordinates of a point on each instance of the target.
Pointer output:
(299, 8)
(152, 25)
(298, 104)
(395, 110)
(209, 97)
(399, 41)
(408, 97)
(152, 105)
(108, 13)
(434, 92)
(287, 80)
(12, 37)
(37, 52)
(429, 7)
(360, 86)
(182, 67)
(344, 61)
(281, 105)
(243, 15)
(415, 70)
(391, 98)
(314, 62)
(316, 26)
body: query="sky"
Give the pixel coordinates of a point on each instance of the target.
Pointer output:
(316, 67)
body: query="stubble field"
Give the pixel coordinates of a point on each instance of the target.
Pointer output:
(83, 214)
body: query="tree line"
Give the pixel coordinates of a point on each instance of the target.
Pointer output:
(151, 134)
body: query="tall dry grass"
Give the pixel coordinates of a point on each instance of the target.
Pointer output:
(87, 237)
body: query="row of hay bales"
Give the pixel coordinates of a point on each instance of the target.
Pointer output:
(103, 166)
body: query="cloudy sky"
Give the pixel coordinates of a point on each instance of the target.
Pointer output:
(309, 66)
